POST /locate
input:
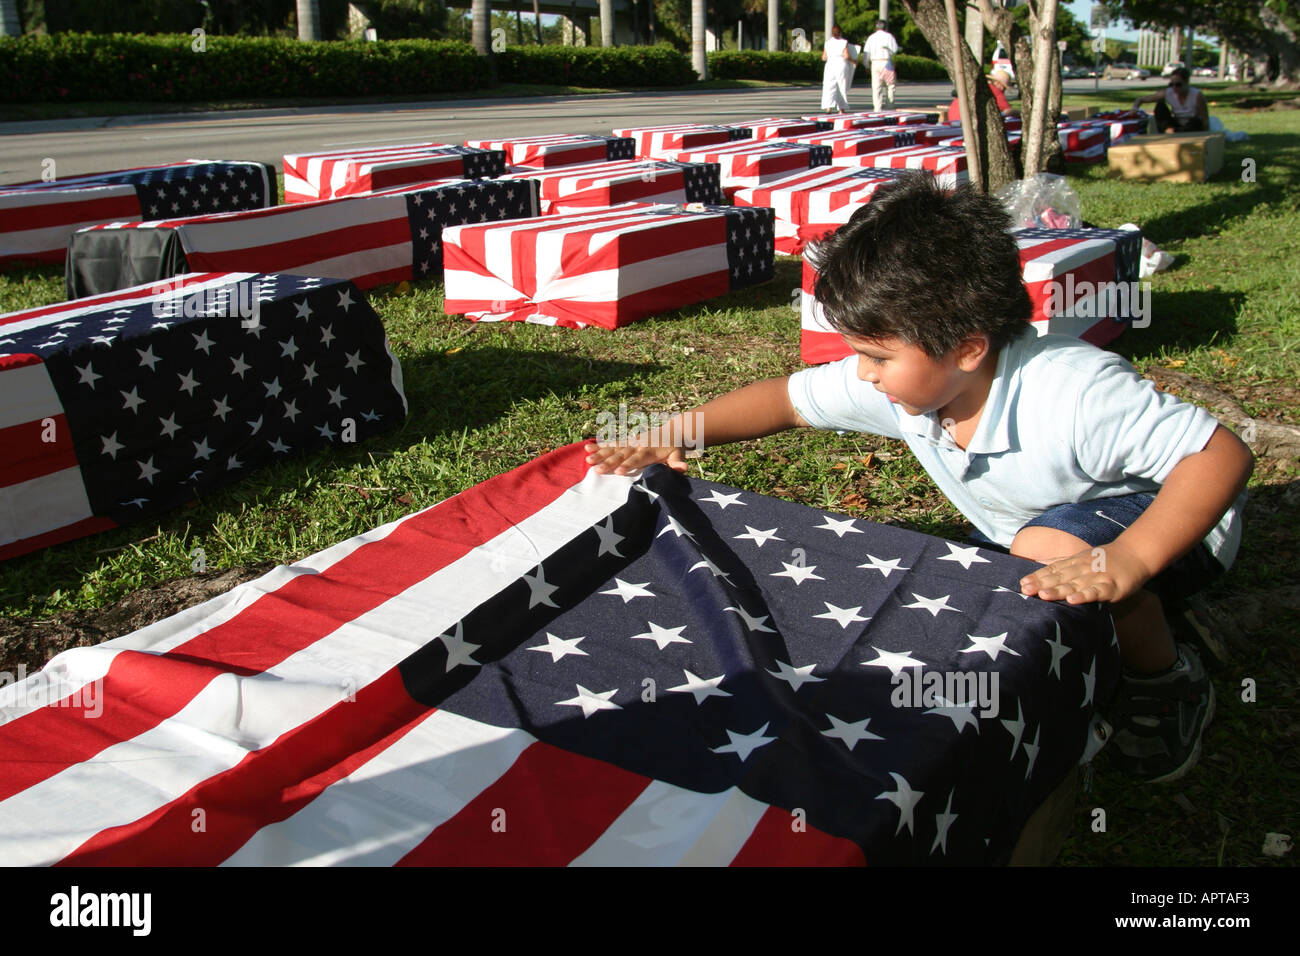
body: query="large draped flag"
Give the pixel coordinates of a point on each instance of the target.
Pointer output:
(556, 667)
(116, 407)
(608, 267)
(36, 219)
(352, 171)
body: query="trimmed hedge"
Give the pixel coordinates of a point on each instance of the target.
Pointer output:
(73, 67)
(80, 67)
(624, 66)
(784, 66)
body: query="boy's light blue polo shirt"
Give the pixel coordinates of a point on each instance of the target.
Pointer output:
(1064, 422)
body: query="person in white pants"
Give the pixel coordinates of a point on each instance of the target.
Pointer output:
(880, 49)
(834, 54)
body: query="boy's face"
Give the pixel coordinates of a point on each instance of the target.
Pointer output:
(907, 376)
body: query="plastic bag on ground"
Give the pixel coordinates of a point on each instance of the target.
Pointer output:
(1045, 201)
(1154, 259)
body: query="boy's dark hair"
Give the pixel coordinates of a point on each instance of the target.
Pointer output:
(925, 265)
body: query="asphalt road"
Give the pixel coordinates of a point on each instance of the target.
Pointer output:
(80, 146)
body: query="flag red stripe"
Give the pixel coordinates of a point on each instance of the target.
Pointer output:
(284, 256)
(776, 842)
(118, 297)
(29, 456)
(548, 808)
(279, 624)
(69, 213)
(267, 786)
(78, 529)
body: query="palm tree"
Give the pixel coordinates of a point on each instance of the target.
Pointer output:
(482, 18)
(699, 61)
(308, 19)
(606, 22)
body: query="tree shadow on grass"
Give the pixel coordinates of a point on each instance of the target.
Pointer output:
(1181, 321)
(1277, 177)
(446, 394)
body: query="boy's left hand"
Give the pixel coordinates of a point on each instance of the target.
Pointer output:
(1108, 573)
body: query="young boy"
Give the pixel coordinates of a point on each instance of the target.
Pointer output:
(1055, 450)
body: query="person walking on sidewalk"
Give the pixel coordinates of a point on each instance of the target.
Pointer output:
(835, 54)
(880, 49)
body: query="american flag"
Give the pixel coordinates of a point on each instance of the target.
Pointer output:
(571, 189)
(347, 172)
(559, 668)
(117, 407)
(848, 121)
(1082, 135)
(882, 118)
(958, 142)
(754, 163)
(606, 268)
(372, 238)
(810, 204)
(1069, 258)
(1072, 260)
(859, 142)
(561, 149)
(776, 127)
(665, 142)
(36, 219)
(947, 164)
(1121, 124)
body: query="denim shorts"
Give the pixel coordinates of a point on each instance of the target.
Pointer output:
(1101, 521)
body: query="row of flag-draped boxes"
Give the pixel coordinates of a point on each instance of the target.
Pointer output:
(603, 267)
(37, 218)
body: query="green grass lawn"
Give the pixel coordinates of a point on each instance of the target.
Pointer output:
(486, 398)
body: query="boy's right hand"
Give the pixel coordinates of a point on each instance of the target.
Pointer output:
(609, 459)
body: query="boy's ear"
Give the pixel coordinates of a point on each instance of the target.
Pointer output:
(972, 351)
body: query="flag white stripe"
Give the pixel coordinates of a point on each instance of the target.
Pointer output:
(667, 825)
(29, 394)
(41, 504)
(386, 808)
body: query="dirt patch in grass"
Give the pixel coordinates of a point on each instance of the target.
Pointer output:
(31, 644)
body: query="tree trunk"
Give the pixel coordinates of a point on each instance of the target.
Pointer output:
(481, 17)
(1286, 46)
(997, 167)
(1017, 44)
(699, 59)
(1044, 43)
(308, 19)
(537, 19)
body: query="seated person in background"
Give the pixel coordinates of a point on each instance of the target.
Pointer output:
(998, 82)
(1181, 108)
(1056, 451)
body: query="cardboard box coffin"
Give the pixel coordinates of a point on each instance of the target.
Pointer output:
(1169, 157)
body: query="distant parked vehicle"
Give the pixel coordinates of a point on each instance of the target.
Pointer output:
(1174, 65)
(1205, 71)
(1122, 71)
